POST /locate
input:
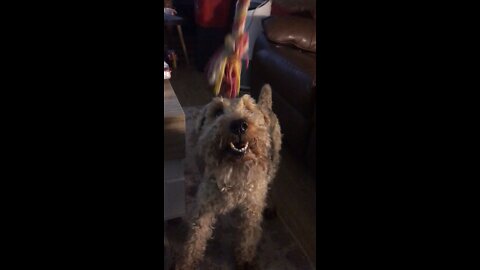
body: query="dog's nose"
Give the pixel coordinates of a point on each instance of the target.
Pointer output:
(239, 126)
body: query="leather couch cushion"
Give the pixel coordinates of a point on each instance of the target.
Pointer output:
(292, 30)
(301, 60)
(307, 8)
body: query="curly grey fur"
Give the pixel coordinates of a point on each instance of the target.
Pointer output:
(229, 183)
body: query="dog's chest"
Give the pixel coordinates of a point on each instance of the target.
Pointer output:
(234, 184)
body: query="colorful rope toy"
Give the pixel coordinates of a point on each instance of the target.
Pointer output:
(225, 67)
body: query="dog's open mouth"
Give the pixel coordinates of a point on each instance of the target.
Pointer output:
(239, 148)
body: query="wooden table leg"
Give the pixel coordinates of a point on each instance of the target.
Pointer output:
(182, 41)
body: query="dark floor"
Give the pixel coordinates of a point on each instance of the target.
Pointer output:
(190, 86)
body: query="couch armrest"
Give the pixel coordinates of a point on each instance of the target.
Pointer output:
(286, 78)
(292, 91)
(261, 43)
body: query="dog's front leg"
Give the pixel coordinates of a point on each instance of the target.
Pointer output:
(200, 232)
(250, 232)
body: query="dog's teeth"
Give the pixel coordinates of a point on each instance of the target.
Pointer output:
(245, 147)
(233, 147)
(241, 150)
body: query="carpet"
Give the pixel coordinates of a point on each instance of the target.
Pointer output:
(277, 249)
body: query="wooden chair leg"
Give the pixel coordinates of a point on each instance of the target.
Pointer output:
(182, 41)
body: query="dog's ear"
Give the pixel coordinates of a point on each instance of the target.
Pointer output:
(265, 103)
(265, 98)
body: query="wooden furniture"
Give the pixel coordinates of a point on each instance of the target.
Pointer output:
(177, 21)
(174, 154)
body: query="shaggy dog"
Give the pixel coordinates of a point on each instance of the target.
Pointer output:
(237, 151)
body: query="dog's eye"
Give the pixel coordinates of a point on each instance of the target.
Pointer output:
(218, 112)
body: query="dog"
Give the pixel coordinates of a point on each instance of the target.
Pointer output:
(238, 143)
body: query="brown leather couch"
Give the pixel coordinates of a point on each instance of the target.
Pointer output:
(285, 57)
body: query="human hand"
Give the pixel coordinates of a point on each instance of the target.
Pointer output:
(169, 11)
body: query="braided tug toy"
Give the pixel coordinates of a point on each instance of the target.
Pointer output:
(225, 67)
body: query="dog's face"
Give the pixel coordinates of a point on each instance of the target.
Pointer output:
(236, 130)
